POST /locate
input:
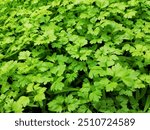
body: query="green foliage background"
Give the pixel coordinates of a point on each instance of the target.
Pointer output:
(74, 56)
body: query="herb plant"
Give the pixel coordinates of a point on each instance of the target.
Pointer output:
(75, 56)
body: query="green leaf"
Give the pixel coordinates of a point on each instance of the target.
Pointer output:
(24, 101)
(102, 3)
(71, 77)
(138, 84)
(56, 104)
(73, 50)
(24, 55)
(55, 107)
(95, 96)
(130, 14)
(81, 41)
(82, 109)
(19, 105)
(8, 67)
(44, 66)
(133, 2)
(1, 56)
(128, 81)
(39, 97)
(57, 85)
(30, 87)
(111, 86)
(17, 108)
(97, 71)
(84, 54)
(5, 87)
(72, 107)
(72, 103)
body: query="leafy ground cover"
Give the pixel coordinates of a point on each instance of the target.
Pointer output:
(74, 56)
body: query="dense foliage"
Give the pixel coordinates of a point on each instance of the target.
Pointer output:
(74, 55)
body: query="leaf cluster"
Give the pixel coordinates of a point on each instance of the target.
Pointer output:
(74, 56)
